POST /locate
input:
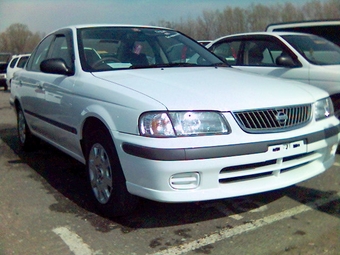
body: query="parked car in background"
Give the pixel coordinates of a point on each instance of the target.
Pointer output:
(4, 58)
(297, 56)
(153, 114)
(16, 63)
(328, 29)
(3, 67)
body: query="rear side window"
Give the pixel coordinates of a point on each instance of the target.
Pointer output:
(22, 62)
(13, 62)
(39, 54)
(251, 52)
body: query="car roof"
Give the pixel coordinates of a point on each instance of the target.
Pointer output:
(21, 55)
(80, 26)
(276, 34)
(307, 23)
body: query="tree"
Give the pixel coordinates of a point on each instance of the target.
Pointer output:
(332, 9)
(18, 39)
(213, 24)
(231, 21)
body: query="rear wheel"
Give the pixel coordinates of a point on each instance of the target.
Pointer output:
(26, 140)
(106, 177)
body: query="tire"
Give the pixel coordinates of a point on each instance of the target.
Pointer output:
(27, 141)
(106, 177)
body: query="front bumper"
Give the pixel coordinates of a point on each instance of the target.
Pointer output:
(215, 172)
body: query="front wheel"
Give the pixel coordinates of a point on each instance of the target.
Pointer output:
(106, 177)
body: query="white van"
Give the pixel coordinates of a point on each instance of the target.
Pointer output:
(328, 29)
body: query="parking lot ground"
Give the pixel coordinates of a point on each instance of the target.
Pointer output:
(44, 210)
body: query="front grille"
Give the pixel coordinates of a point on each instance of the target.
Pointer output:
(273, 120)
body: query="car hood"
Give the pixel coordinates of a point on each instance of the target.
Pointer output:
(222, 89)
(335, 69)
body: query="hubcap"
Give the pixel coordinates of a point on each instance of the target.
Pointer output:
(100, 173)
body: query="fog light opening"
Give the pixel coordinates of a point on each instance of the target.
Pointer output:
(185, 181)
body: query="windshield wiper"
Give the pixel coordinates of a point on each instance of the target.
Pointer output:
(164, 65)
(220, 64)
(173, 65)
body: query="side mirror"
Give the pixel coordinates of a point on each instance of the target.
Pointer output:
(285, 61)
(55, 66)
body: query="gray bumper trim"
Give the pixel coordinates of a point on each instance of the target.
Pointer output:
(221, 151)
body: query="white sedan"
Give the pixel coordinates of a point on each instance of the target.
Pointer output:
(297, 56)
(154, 114)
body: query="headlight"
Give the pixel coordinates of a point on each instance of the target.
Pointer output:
(169, 124)
(323, 109)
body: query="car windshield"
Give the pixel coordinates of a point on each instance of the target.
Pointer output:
(315, 49)
(109, 48)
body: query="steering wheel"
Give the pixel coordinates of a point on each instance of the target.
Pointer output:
(103, 60)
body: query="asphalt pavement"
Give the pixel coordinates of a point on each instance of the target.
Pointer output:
(44, 210)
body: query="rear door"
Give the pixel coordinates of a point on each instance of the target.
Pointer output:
(47, 101)
(29, 87)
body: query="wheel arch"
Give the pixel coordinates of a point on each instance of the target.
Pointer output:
(95, 117)
(91, 124)
(336, 103)
(335, 97)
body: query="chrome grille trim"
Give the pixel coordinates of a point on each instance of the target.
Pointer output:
(273, 120)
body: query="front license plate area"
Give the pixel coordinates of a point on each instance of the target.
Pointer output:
(289, 148)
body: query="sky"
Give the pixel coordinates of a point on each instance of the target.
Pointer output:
(45, 16)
